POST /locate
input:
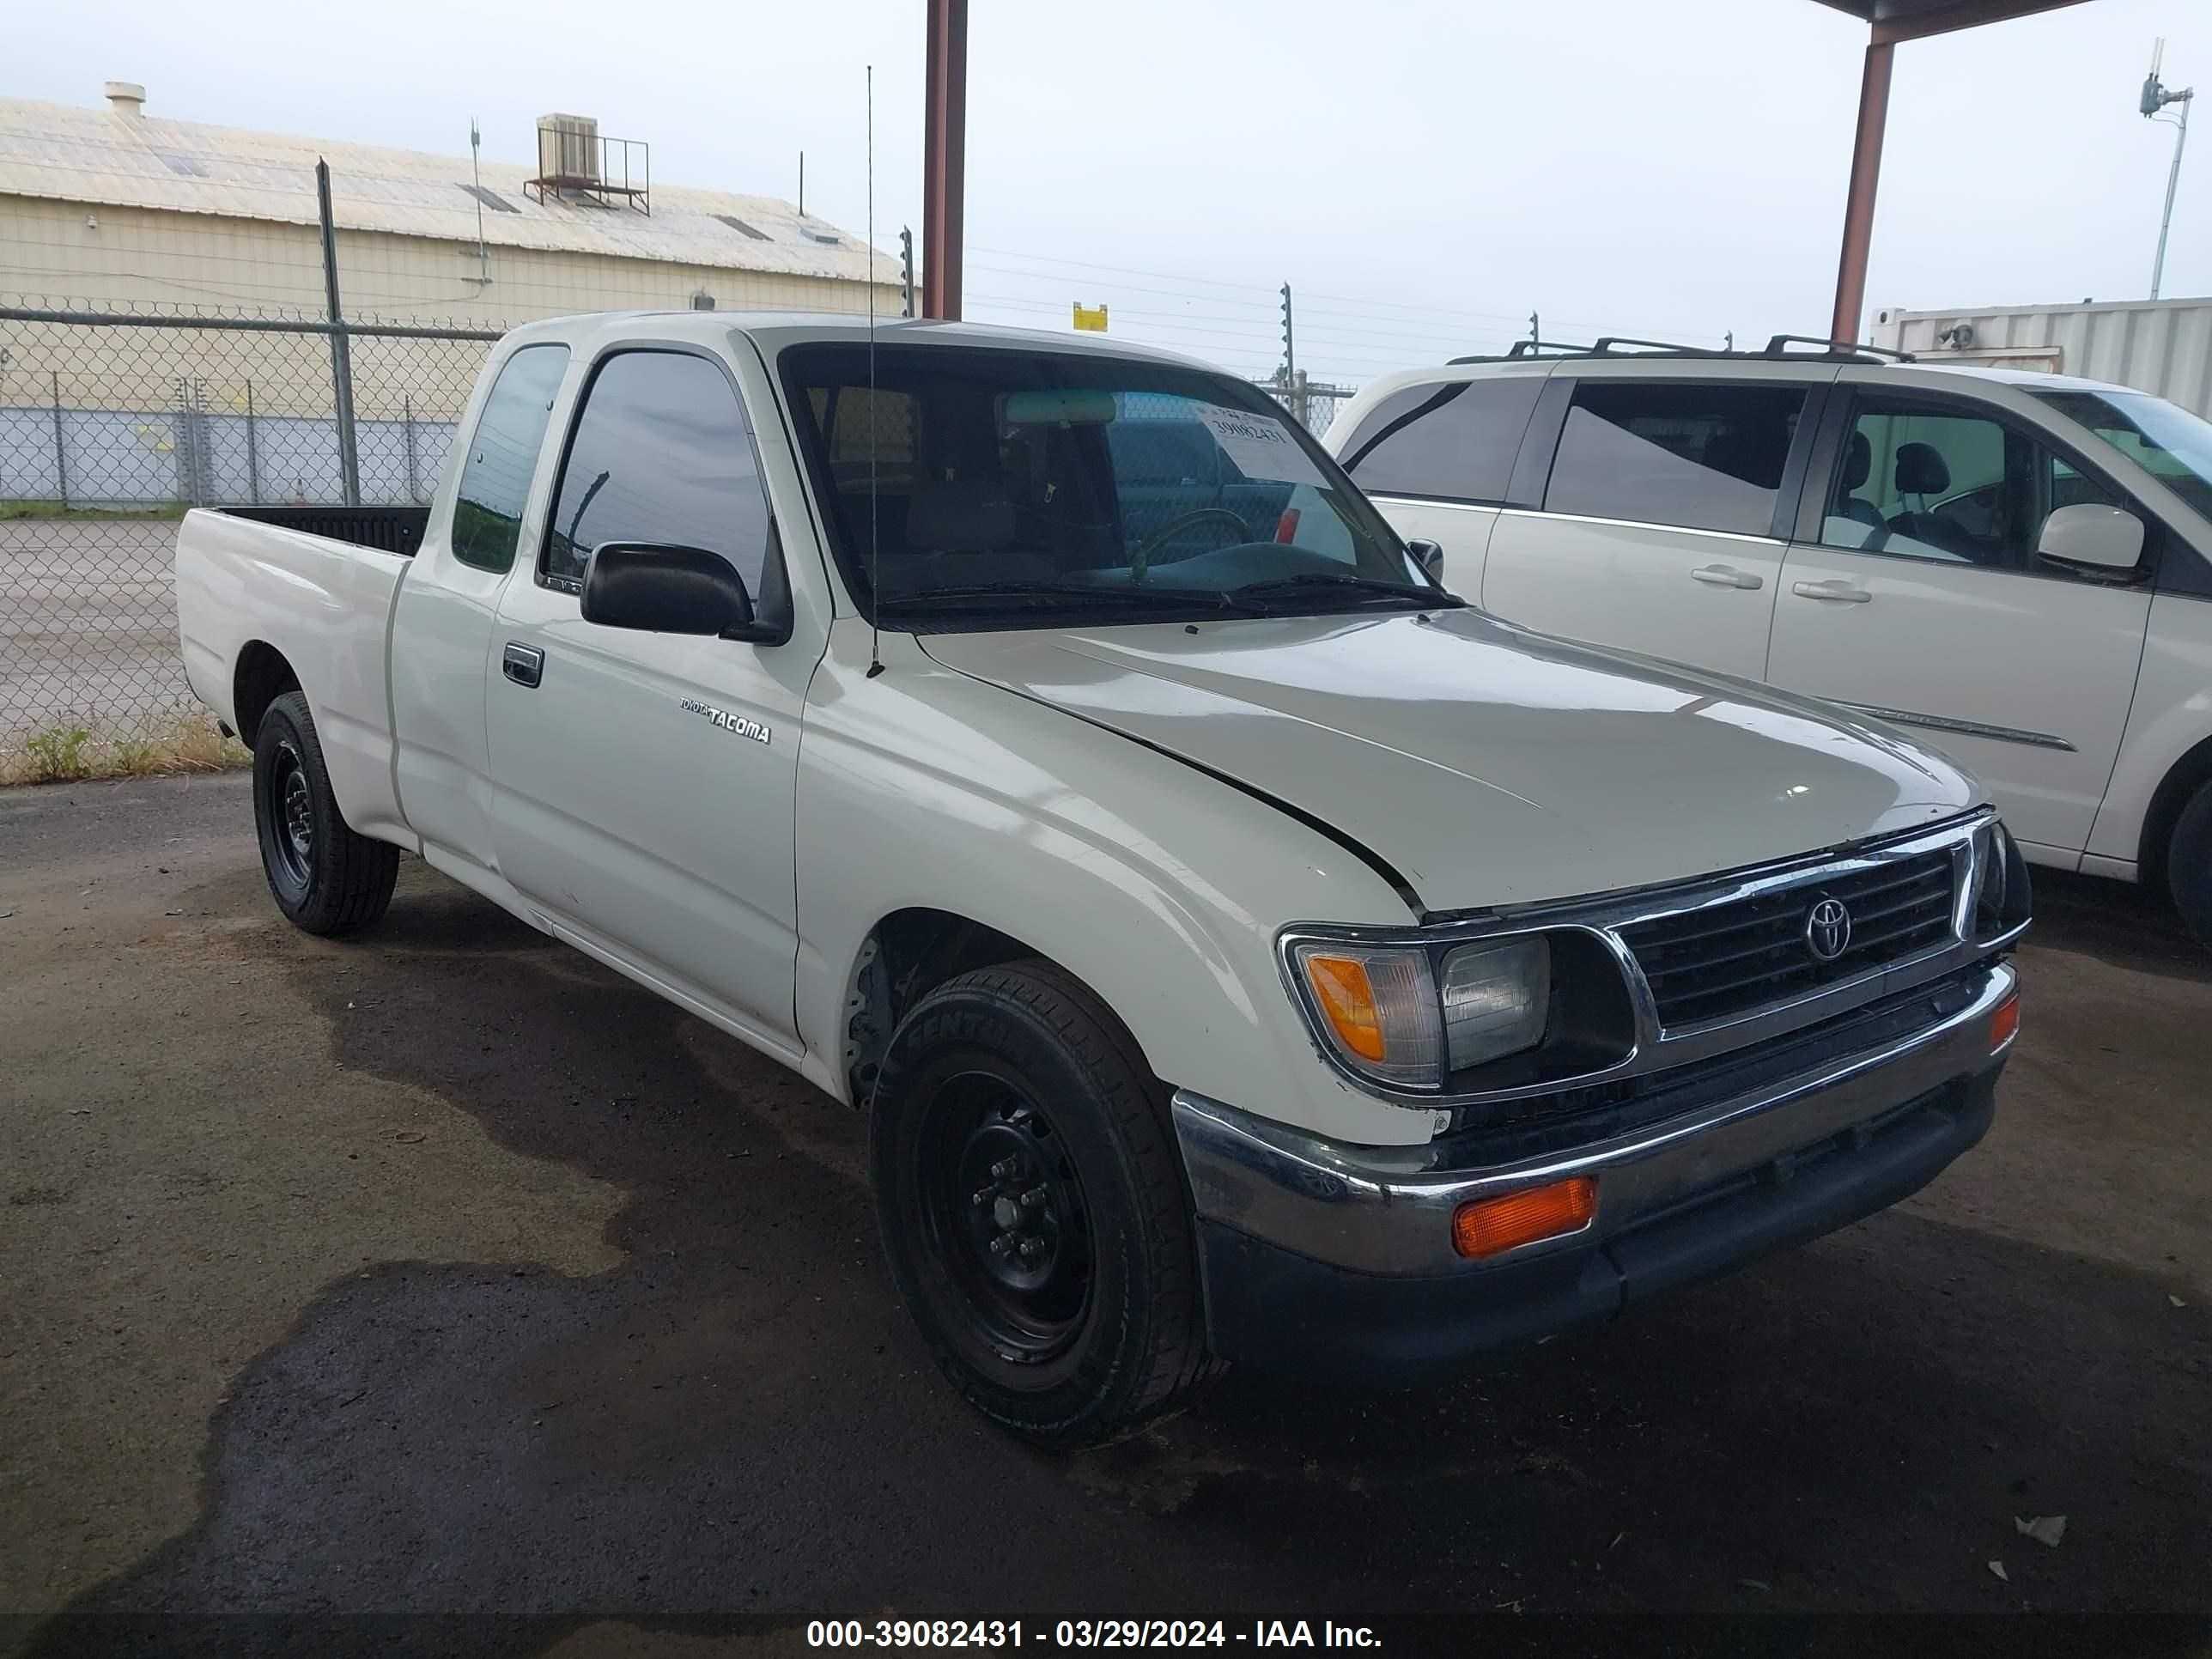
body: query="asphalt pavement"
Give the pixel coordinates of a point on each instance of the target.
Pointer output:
(443, 1271)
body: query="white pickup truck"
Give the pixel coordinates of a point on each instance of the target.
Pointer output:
(1244, 950)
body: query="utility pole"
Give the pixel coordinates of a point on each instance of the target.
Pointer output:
(1290, 345)
(2156, 98)
(906, 271)
(1535, 334)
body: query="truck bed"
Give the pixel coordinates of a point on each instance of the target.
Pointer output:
(387, 529)
(312, 587)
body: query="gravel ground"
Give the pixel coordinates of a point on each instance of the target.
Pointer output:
(447, 1271)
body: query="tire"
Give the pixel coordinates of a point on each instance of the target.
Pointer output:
(1012, 1105)
(325, 878)
(2189, 864)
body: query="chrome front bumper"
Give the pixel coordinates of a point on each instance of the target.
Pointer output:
(1714, 1185)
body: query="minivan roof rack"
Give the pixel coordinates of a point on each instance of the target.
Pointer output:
(1621, 345)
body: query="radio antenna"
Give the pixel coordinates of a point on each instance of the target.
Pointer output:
(875, 560)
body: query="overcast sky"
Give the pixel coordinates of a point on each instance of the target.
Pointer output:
(1423, 175)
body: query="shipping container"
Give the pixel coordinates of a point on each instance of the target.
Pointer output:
(2160, 346)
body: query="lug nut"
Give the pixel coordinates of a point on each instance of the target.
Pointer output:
(1032, 1248)
(1004, 1168)
(981, 1196)
(1002, 1243)
(1034, 1197)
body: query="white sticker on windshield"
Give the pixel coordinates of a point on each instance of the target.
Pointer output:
(1260, 445)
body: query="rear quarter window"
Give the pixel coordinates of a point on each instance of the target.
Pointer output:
(503, 457)
(1454, 441)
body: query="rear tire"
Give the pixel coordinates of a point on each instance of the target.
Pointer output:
(325, 878)
(1033, 1207)
(2189, 864)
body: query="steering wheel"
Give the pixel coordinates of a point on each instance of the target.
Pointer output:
(1141, 557)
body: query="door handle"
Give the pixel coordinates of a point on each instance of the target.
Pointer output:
(523, 663)
(1838, 592)
(1726, 576)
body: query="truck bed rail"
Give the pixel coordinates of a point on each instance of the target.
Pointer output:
(387, 529)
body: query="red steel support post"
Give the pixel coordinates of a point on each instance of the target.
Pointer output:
(945, 159)
(1858, 205)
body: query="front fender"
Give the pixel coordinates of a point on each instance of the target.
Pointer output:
(1159, 886)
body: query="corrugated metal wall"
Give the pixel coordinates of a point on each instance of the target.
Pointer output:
(2163, 346)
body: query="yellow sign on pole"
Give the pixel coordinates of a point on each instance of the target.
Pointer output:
(1092, 317)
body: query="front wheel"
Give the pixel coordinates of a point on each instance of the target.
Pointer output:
(1033, 1207)
(2189, 864)
(325, 878)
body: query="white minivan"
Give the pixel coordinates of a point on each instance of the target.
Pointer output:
(2017, 565)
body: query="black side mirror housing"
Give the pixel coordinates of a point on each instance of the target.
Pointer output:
(1430, 555)
(657, 587)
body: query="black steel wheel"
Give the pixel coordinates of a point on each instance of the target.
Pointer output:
(325, 878)
(1003, 1206)
(1033, 1206)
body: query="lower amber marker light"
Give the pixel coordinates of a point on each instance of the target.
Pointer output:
(2004, 1024)
(1490, 1226)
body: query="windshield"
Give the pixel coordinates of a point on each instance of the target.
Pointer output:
(2166, 442)
(997, 483)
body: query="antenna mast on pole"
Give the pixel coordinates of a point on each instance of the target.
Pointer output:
(475, 168)
(2156, 98)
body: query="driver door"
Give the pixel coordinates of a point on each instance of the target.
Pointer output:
(1913, 591)
(645, 782)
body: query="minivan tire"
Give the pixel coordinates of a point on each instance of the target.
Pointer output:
(1034, 1208)
(2189, 864)
(325, 878)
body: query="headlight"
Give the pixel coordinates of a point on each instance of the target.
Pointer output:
(1496, 999)
(2001, 900)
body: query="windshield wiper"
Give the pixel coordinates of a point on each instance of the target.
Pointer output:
(1429, 599)
(1180, 599)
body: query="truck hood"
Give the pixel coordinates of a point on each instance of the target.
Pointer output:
(1486, 765)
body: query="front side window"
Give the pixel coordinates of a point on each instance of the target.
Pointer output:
(1704, 457)
(2168, 442)
(996, 484)
(661, 452)
(503, 456)
(1454, 442)
(1946, 485)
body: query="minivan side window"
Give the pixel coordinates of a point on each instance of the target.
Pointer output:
(661, 452)
(1949, 485)
(1455, 442)
(1704, 457)
(503, 456)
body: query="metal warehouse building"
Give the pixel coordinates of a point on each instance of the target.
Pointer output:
(113, 206)
(108, 210)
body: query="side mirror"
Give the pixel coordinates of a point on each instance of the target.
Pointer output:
(658, 588)
(1430, 555)
(2093, 536)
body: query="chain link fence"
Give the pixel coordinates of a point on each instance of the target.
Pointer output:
(113, 422)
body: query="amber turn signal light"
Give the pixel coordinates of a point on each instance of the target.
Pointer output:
(1346, 996)
(1489, 1226)
(2004, 1024)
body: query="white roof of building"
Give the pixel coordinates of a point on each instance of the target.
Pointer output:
(110, 159)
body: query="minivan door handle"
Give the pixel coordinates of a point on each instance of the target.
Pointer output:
(1834, 590)
(1725, 575)
(523, 663)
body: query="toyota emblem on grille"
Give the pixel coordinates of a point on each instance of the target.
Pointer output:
(1828, 930)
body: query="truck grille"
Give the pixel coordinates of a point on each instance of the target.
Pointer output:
(1728, 958)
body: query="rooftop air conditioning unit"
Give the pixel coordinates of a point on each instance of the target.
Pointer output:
(568, 146)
